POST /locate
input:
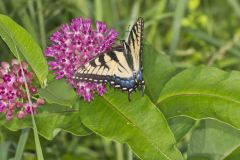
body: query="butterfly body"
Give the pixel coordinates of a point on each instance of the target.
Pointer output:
(121, 67)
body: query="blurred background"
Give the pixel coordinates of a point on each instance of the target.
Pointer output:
(191, 32)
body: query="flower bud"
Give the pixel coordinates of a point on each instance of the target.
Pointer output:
(20, 114)
(40, 101)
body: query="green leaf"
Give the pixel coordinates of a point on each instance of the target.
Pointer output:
(13, 34)
(157, 71)
(59, 92)
(138, 123)
(202, 92)
(180, 126)
(50, 119)
(213, 140)
(234, 155)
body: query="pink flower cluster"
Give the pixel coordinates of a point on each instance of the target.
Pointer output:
(13, 96)
(75, 44)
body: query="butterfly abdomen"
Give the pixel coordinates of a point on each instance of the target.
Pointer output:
(124, 84)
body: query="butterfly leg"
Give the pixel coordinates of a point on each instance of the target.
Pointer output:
(143, 88)
(129, 96)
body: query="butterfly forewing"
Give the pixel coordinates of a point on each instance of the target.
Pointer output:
(103, 67)
(135, 43)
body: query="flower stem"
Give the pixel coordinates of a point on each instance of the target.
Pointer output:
(35, 131)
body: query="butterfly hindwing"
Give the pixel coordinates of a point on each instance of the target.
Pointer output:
(111, 67)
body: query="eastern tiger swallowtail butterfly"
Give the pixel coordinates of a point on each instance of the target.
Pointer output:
(121, 67)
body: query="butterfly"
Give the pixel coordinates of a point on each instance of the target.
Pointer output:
(121, 67)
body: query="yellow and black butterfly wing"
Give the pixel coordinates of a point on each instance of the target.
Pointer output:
(111, 67)
(121, 67)
(135, 40)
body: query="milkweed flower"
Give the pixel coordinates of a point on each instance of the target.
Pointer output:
(13, 95)
(75, 44)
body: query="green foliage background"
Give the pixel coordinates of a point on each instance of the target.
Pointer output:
(199, 102)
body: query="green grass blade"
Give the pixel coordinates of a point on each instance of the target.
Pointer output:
(211, 40)
(21, 144)
(235, 5)
(98, 10)
(176, 28)
(41, 23)
(119, 151)
(129, 154)
(134, 14)
(161, 5)
(4, 149)
(2, 7)
(161, 17)
(135, 11)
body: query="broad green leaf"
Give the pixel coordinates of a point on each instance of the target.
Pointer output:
(14, 35)
(138, 123)
(50, 119)
(157, 70)
(234, 155)
(202, 92)
(213, 140)
(59, 92)
(180, 126)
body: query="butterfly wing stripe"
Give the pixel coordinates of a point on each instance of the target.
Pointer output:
(104, 66)
(92, 63)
